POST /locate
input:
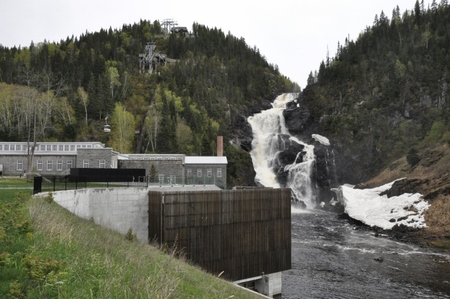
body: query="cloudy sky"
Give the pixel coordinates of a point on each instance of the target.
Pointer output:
(293, 34)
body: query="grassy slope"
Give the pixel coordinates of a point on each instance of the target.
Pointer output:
(431, 178)
(60, 255)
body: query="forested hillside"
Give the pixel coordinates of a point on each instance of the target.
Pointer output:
(69, 90)
(384, 103)
(386, 95)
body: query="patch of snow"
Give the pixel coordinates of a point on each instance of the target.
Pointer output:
(321, 139)
(373, 209)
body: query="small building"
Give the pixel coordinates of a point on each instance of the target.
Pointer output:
(161, 168)
(178, 169)
(179, 29)
(206, 170)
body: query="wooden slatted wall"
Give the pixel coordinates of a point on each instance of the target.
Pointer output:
(243, 232)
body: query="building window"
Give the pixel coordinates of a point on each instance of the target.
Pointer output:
(209, 172)
(85, 163)
(161, 178)
(101, 163)
(49, 147)
(54, 147)
(66, 147)
(1, 147)
(19, 165)
(199, 173)
(6, 147)
(49, 165)
(72, 147)
(59, 165)
(219, 172)
(69, 164)
(39, 165)
(189, 172)
(60, 147)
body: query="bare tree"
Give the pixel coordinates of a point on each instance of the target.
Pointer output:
(152, 122)
(84, 97)
(37, 106)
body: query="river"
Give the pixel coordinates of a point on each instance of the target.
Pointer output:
(334, 258)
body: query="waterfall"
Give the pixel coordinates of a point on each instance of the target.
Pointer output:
(272, 146)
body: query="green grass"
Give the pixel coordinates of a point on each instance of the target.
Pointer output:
(14, 184)
(47, 252)
(15, 227)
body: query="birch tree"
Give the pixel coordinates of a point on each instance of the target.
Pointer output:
(113, 76)
(84, 98)
(122, 131)
(151, 125)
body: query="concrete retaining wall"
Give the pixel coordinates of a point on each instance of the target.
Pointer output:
(118, 209)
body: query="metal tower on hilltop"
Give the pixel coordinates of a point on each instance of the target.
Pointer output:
(150, 58)
(147, 58)
(167, 25)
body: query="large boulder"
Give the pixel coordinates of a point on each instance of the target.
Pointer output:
(242, 135)
(292, 153)
(296, 116)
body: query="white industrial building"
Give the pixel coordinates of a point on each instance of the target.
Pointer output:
(57, 158)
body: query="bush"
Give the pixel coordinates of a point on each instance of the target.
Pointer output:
(412, 157)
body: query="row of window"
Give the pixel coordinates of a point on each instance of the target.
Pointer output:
(45, 147)
(209, 172)
(102, 164)
(59, 165)
(173, 179)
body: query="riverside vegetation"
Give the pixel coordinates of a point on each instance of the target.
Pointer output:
(47, 252)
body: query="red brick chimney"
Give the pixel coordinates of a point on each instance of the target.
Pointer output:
(219, 146)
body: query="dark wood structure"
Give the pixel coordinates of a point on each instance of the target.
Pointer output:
(242, 233)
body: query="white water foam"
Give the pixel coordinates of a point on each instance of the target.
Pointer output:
(267, 127)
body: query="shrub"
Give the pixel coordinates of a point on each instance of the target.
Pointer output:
(412, 157)
(130, 236)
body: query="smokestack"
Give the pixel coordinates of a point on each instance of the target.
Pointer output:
(219, 146)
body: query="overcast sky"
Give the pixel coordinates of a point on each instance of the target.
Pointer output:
(293, 34)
